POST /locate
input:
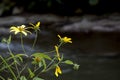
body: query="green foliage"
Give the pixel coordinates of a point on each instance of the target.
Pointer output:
(15, 64)
(44, 5)
(6, 5)
(23, 78)
(69, 62)
(31, 73)
(37, 78)
(8, 41)
(76, 66)
(42, 56)
(93, 2)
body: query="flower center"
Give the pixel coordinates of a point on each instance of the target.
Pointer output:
(21, 29)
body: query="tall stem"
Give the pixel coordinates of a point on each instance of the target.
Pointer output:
(22, 44)
(35, 40)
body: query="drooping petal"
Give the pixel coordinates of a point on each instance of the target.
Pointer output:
(58, 71)
(24, 33)
(57, 52)
(60, 37)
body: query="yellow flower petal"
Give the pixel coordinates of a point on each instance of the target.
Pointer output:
(16, 32)
(19, 29)
(57, 52)
(22, 26)
(24, 33)
(58, 71)
(65, 39)
(60, 37)
(38, 24)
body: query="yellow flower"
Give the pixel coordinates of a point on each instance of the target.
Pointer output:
(19, 29)
(65, 39)
(57, 52)
(36, 26)
(58, 71)
(37, 59)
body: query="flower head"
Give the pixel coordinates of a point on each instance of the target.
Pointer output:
(19, 29)
(65, 39)
(57, 52)
(36, 26)
(58, 71)
(37, 59)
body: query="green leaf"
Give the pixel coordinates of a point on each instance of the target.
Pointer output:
(37, 78)
(19, 56)
(45, 56)
(4, 40)
(42, 55)
(8, 79)
(40, 64)
(68, 62)
(31, 73)
(8, 41)
(23, 78)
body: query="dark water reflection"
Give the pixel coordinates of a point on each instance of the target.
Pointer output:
(97, 53)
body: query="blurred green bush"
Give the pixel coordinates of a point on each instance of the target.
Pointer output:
(61, 6)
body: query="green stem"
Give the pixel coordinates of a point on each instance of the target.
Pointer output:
(2, 78)
(48, 66)
(9, 49)
(13, 74)
(6, 67)
(22, 44)
(35, 68)
(54, 50)
(18, 72)
(14, 60)
(23, 68)
(51, 62)
(35, 40)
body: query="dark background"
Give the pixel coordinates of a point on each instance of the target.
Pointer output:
(62, 7)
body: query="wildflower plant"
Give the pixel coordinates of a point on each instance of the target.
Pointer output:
(39, 62)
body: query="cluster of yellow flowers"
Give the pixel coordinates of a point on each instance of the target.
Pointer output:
(62, 40)
(24, 30)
